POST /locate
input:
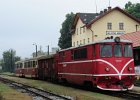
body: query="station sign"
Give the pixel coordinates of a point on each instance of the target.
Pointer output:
(115, 32)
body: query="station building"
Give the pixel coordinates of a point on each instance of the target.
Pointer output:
(90, 27)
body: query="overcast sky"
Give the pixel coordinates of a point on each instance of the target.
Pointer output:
(24, 22)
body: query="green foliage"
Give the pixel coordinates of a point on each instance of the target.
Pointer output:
(8, 61)
(133, 9)
(65, 38)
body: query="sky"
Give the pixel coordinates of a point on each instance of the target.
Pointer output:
(25, 22)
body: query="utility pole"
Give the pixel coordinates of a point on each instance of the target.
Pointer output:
(48, 49)
(11, 61)
(35, 49)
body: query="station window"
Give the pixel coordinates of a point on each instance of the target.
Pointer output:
(80, 42)
(74, 44)
(77, 43)
(80, 53)
(83, 41)
(109, 26)
(121, 26)
(88, 40)
(84, 29)
(77, 31)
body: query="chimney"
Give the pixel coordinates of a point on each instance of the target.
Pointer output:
(105, 10)
(109, 8)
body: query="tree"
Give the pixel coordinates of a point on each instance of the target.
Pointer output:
(133, 9)
(9, 59)
(65, 38)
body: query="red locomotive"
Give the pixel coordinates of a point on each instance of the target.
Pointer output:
(107, 65)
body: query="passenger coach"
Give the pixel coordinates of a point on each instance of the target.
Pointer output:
(27, 68)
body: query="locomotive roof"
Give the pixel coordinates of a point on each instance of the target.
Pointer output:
(97, 42)
(20, 61)
(45, 57)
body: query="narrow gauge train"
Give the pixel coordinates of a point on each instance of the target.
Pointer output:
(27, 68)
(107, 65)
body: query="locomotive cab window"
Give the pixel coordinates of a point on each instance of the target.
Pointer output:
(128, 50)
(117, 50)
(106, 50)
(80, 54)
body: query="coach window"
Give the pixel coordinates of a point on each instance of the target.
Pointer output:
(25, 64)
(20, 65)
(28, 64)
(128, 50)
(72, 54)
(80, 54)
(106, 50)
(33, 63)
(17, 65)
(118, 50)
(62, 55)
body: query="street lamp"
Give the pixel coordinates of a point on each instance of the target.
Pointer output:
(35, 48)
(48, 49)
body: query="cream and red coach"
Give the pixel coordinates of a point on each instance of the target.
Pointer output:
(27, 68)
(19, 68)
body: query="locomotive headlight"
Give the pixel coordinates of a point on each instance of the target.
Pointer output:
(107, 69)
(130, 68)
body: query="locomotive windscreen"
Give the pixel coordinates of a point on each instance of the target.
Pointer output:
(106, 50)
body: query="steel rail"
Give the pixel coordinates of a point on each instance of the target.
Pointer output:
(42, 93)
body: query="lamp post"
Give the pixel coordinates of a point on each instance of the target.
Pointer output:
(48, 49)
(35, 48)
(11, 61)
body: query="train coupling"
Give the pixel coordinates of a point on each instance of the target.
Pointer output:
(120, 83)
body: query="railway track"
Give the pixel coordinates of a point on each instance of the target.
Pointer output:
(128, 95)
(38, 92)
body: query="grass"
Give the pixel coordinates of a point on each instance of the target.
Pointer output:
(67, 91)
(7, 73)
(7, 93)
